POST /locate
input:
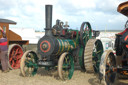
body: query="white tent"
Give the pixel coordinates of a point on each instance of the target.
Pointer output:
(28, 34)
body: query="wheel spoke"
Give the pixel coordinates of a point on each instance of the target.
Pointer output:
(107, 72)
(95, 47)
(13, 63)
(19, 53)
(17, 62)
(87, 32)
(30, 72)
(10, 59)
(108, 78)
(13, 52)
(95, 66)
(67, 73)
(27, 61)
(98, 52)
(31, 57)
(84, 37)
(16, 51)
(27, 70)
(85, 28)
(18, 57)
(108, 64)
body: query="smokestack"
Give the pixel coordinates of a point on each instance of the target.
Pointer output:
(48, 18)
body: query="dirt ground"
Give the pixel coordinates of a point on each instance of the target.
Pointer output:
(44, 77)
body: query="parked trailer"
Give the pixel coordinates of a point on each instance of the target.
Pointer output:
(15, 42)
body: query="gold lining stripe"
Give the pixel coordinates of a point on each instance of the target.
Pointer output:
(59, 46)
(74, 43)
(68, 45)
(62, 46)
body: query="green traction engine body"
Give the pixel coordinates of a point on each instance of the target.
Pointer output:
(61, 47)
(59, 39)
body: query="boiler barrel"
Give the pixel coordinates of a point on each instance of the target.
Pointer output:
(56, 46)
(66, 45)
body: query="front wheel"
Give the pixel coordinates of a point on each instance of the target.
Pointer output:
(108, 72)
(28, 64)
(65, 66)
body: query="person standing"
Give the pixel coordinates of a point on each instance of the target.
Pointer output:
(3, 52)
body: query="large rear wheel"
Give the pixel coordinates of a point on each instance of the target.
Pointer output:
(92, 55)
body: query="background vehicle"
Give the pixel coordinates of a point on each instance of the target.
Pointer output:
(15, 43)
(112, 65)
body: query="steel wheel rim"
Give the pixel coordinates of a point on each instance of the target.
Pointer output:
(30, 62)
(90, 57)
(15, 55)
(96, 55)
(107, 69)
(66, 66)
(110, 63)
(68, 61)
(29, 65)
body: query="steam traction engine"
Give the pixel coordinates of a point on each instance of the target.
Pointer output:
(61, 47)
(112, 65)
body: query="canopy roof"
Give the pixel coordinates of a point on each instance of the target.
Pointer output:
(123, 8)
(7, 21)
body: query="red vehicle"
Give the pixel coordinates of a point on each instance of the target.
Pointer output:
(15, 43)
(113, 66)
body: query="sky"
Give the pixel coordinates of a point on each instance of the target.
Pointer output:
(102, 14)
